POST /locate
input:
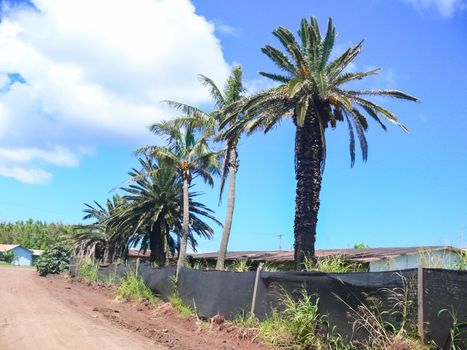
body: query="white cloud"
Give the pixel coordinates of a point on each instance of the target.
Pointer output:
(446, 8)
(96, 72)
(58, 156)
(30, 176)
(226, 29)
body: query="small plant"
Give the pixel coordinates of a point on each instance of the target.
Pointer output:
(332, 264)
(88, 271)
(133, 288)
(53, 260)
(277, 266)
(180, 305)
(241, 265)
(458, 330)
(246, 320)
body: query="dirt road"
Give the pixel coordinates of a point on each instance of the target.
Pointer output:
(56, 312)
(31, 318)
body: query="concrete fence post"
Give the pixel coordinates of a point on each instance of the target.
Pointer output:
(420, 289)
(255, 289)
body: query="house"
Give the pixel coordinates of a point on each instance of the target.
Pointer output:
(22, 256)
(374, 259)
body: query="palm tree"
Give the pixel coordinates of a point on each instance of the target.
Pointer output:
(311, 92)
(153, 211)
(189, 157)
(228, 102)
(98, 238)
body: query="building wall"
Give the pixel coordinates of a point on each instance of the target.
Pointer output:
(23, 257)
(436, 259)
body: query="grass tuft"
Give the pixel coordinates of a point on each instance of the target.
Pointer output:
(133, 288)
(88, 271)
(177, 302)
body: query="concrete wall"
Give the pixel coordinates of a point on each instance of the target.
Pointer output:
(23, 256)
(435, 259)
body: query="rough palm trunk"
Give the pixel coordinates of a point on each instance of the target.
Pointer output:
(233, 166)
(109, 252)
(156, 243)
(186, 222)
(309, 156)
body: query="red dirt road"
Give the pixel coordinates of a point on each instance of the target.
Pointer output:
(32, 318)
(57, 312)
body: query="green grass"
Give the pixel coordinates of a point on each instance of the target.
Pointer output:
(133, 288)
(88, 271)
(177, 302)
(299, 326)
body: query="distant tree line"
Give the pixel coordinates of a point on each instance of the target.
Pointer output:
(33, 234)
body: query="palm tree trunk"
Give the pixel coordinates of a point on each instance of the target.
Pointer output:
(156, 243)
(233, 166)
(185, 227)
(308, 160)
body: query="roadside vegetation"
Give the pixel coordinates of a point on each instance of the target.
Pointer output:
(132, 288)
(88, 270)
(54, 260)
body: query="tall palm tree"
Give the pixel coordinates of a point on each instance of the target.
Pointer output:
(189, 157)
(98, 236)
(153, 211)
(311, 92)
(228, 103)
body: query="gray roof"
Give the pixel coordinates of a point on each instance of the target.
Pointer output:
(364, 254)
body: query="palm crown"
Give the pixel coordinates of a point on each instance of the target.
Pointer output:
(312, 83)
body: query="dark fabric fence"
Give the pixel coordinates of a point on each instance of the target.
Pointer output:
(161, 281)
(337, 292)
(445, 289)
(217, 292)
(230, 293)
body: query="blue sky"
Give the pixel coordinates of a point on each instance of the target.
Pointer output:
(79, 83)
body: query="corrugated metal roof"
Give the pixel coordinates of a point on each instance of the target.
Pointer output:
(7, 247)
(364, 255)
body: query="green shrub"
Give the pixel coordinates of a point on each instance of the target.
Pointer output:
(7, 257)
(240, 265)
(88, 271)
(332, 264)
(133, 288)
(53, 260)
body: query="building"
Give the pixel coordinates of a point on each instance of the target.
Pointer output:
(23, 256)
(374, 259)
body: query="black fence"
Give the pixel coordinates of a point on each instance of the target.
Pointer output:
(231, 293)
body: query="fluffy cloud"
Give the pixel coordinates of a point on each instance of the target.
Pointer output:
(446, 8)
(94, 72)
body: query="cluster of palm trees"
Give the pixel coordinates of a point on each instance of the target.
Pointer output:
(159, 210)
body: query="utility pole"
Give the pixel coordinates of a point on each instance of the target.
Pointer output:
(280, 241)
